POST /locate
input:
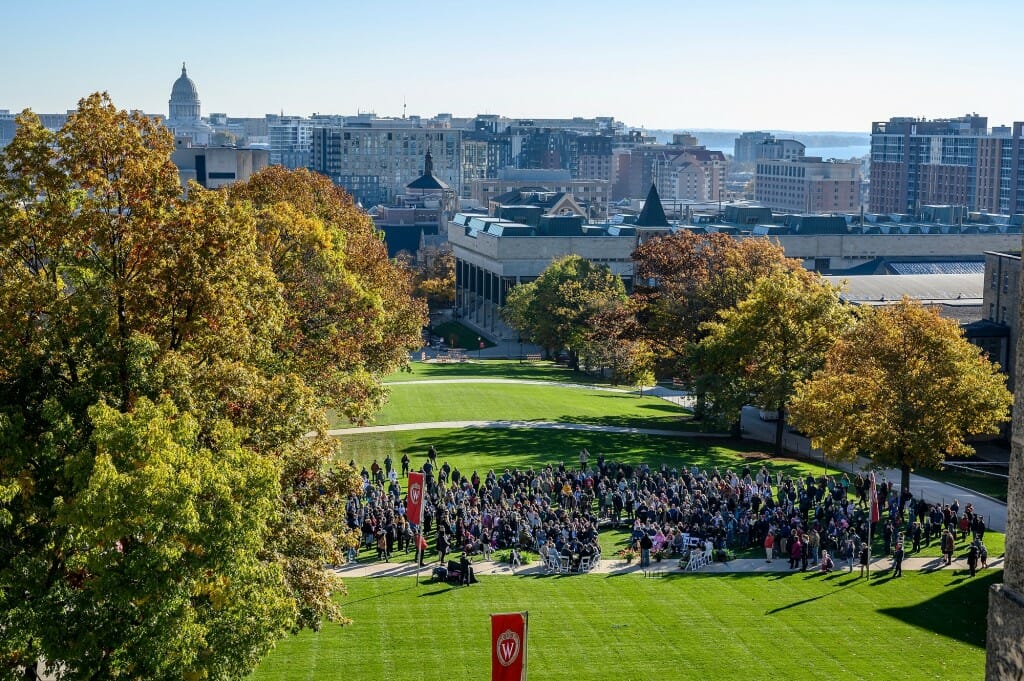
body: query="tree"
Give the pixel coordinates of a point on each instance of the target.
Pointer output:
(434, 276)
(758, 351)
(904, 387)
(554, 309)
(683, 280)
(167, 503)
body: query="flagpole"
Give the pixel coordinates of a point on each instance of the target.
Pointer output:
(419, 551)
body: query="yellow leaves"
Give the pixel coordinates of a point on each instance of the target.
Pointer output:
(903, 386)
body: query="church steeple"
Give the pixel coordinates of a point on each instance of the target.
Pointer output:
(184, 74)
(428, 164)
(653, 214)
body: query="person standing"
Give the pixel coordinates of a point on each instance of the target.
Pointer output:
(864, 558)
(405, 465)
(972, 558)
(584, 456)
(948, 546)
(646, 544)
(795, 551)
(769, 545)
(897, 561)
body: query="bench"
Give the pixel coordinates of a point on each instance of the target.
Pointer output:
(534, 357)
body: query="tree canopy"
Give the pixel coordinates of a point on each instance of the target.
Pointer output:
(167, 500)
(684, 279)
(904, 387)
(553, 310)
(758, 351)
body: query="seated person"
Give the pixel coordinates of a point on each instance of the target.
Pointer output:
(827, 564)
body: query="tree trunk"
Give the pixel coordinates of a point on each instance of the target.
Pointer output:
(904, 480)
(780, 430)
(736, 430)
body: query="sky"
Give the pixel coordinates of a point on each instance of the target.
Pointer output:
(730, 64)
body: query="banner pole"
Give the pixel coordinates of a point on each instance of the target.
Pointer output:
(419, 551)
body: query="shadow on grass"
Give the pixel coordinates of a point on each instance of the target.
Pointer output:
(958, 613)
(805, 601)
(523, 447)
(383, 594)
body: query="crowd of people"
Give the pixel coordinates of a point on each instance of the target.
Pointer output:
(807, 520)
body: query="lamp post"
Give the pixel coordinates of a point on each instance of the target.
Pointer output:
(520, 348)
(479, 346)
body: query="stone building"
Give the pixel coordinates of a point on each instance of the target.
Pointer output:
(1005, 646)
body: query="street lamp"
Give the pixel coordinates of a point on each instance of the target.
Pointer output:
(479, 346)
(520, 348)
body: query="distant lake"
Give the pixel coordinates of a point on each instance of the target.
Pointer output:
(841, 153)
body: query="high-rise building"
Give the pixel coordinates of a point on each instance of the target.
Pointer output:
(959, 161)
(808, 185)
(745, 146)
(780, 150)
(374, 159)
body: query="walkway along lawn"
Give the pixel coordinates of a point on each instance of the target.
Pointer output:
(627, 628)
(495, 368)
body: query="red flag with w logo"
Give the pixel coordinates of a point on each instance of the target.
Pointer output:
(508, 646)
(414, 509)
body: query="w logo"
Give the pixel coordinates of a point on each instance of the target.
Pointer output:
(507, 647)
(414, 493)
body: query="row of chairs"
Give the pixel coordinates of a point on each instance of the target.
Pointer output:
(557, 563)
(699, 557)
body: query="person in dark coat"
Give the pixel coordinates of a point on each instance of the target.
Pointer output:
(972, 558)
(897, 561)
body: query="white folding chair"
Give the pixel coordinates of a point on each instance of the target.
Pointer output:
(564, 564)
(585, 564)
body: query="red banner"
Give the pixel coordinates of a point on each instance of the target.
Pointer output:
(875, 515)
(414, 510)
(508, 647)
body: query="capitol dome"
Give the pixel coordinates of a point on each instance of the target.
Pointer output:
(184, 102)
(184, 119)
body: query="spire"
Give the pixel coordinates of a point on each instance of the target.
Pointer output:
(428, 164)
(184, 74)
(653, 214)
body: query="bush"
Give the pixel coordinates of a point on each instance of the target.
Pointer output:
(525, 557)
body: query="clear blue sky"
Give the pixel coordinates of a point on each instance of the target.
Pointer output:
(736, 64)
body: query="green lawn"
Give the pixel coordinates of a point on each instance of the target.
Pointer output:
(494, 368)
(458, 336)
(427, 402)
(682, 626)
(979, 482)
(482, 449)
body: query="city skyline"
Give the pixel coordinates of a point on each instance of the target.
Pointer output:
(734, 66)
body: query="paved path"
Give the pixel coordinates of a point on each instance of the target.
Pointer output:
(543, 425)
(618, 567)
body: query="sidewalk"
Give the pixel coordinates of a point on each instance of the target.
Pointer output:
(620, 567)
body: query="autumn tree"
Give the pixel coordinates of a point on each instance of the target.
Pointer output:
(904, 387)
(758, 351)
(167, 503)
(683, 280)
(553, 310)
(433, 276)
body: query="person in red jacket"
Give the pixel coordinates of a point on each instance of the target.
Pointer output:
(769, 546)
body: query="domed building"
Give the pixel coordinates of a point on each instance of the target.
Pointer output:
(184, 111)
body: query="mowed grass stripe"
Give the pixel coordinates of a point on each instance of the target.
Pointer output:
(676, 627)
(431, 402)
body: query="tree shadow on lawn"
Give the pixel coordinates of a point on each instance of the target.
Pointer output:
(526, 447)
(958, 613)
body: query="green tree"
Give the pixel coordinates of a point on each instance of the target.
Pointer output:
(904, 387)
(553, 310)
(166, 501)
(758, 351)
